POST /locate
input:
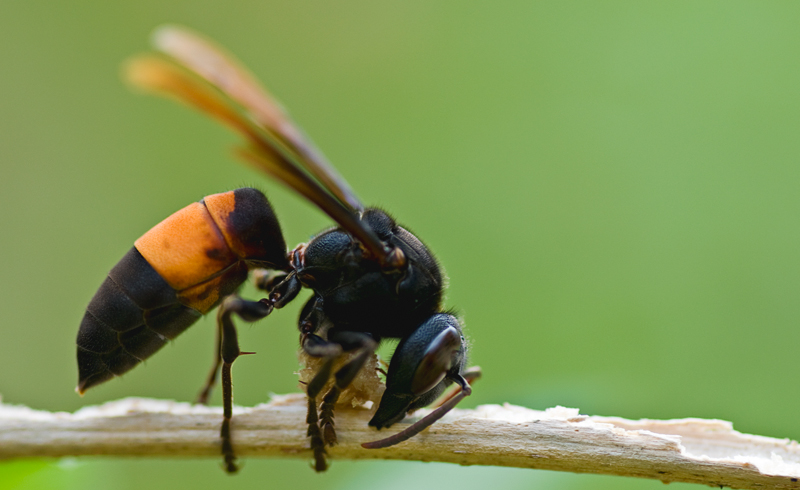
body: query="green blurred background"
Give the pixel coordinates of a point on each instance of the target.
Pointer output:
(612, 187)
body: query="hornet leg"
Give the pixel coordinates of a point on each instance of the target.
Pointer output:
(248, 311)
(364, 346)
(315, 346)
(211, 380)
(321, 428)
(283, 288)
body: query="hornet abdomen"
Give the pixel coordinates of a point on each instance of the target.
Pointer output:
(176, 272)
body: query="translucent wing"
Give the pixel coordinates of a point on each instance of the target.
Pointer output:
(225, 73)
(267, 150)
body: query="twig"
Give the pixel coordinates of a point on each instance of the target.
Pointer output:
(708, 452)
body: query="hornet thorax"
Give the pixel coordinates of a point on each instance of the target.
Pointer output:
(354, 291)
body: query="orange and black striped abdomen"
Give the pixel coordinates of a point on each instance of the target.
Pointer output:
(176, 272)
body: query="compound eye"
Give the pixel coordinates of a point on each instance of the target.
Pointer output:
(439, 358)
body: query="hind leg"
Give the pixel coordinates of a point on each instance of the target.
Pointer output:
(283, 288)
(248, 311)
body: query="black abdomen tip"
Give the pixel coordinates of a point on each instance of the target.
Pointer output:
(133, 315)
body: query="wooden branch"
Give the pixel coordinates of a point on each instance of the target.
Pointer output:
(708, 452)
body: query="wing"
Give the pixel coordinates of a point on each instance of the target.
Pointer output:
(224, 72)
(202, 76)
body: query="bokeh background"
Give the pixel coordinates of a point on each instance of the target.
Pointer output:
(612, 187)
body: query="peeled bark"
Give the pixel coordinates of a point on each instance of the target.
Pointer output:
(708, 452)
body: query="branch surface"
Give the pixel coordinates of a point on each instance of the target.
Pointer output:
(707, 452)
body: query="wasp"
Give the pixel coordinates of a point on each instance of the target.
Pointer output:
(371, 279)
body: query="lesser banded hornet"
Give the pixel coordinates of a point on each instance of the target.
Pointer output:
(371, 278)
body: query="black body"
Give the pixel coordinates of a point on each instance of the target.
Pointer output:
(353, 295)
(135, 312)
(371, 279)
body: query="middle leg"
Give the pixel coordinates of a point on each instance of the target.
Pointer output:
(363, 346)
(321, 429)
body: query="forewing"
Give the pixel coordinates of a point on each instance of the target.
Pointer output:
(265, 150)
(224, 72)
